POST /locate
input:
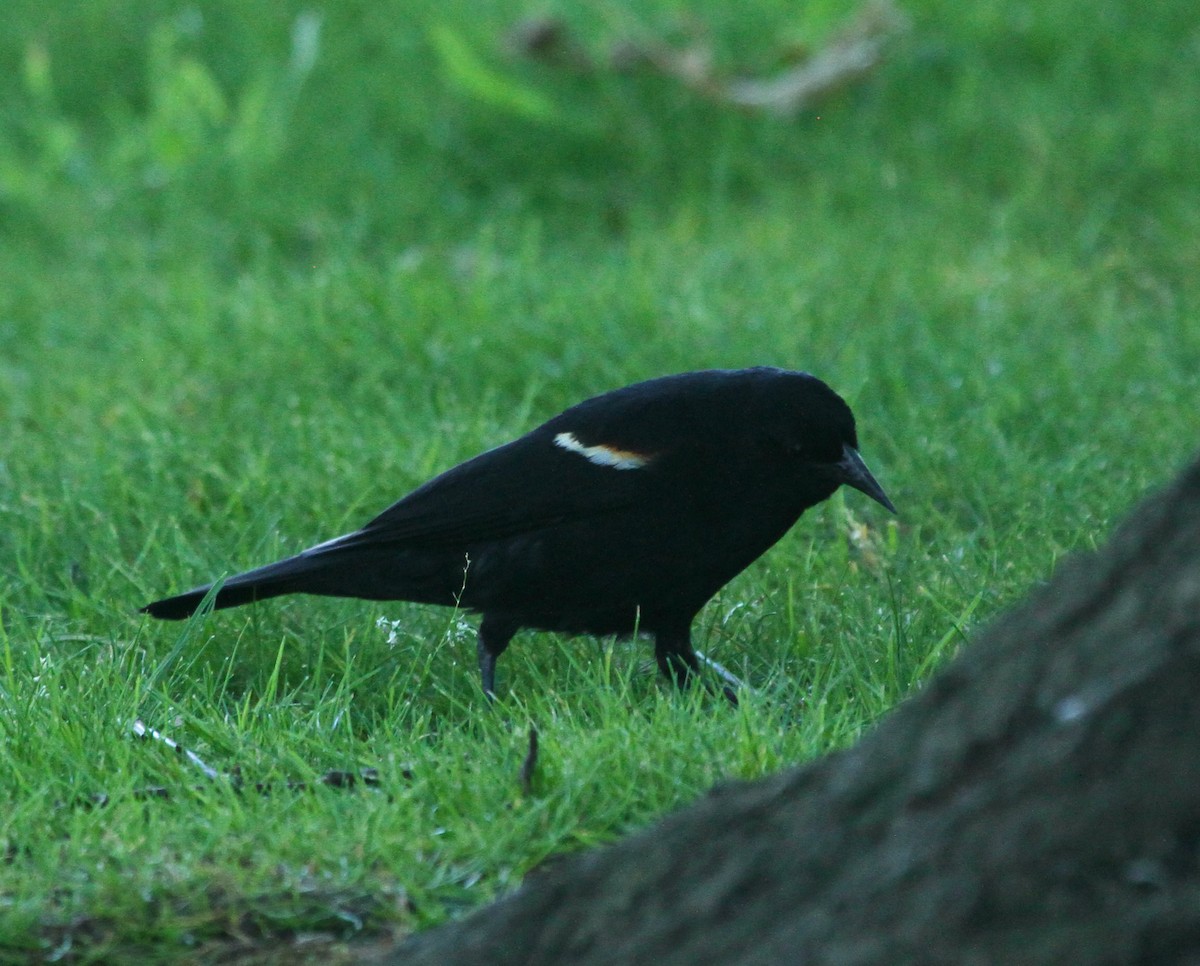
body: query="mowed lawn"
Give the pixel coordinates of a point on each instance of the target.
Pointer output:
(266, 267)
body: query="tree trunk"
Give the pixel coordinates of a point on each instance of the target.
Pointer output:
(1037, 802)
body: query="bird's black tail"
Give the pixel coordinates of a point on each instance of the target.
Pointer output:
(346, 567)
(299, 574)
(349, 566)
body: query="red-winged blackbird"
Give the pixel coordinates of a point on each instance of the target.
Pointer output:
(626, 512)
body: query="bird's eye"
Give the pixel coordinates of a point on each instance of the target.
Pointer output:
(776, 445)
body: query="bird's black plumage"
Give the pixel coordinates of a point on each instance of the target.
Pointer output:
(625, 512)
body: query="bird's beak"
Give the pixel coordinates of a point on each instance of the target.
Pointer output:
(854, 472)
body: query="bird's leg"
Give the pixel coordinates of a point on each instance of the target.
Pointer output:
(678, 661)
(493, 638)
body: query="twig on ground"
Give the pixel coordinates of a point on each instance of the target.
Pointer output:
(850, 55)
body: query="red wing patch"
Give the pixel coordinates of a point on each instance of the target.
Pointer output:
(602, 454)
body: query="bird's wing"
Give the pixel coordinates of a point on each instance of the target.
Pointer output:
(533, 482)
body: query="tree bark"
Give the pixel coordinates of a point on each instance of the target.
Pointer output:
(1037, 802)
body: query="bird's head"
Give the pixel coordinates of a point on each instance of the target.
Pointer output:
(804, 424)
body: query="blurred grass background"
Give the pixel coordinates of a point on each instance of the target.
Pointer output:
(264, 267)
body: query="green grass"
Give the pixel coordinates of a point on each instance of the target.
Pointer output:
(247, 299)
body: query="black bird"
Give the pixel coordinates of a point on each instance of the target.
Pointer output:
(625, 512)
